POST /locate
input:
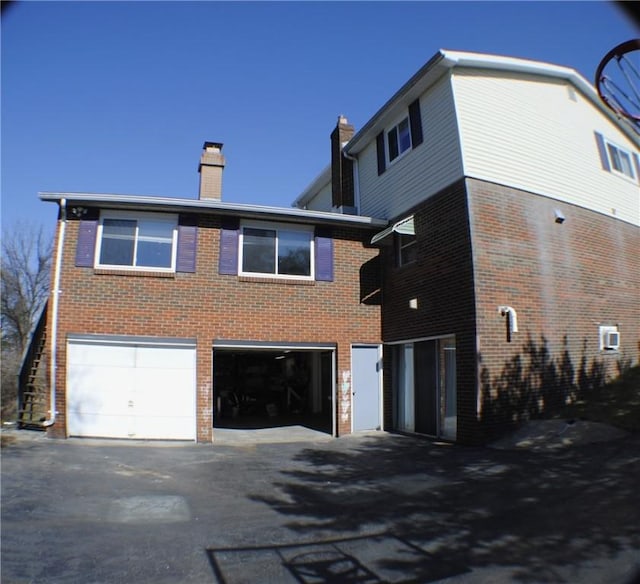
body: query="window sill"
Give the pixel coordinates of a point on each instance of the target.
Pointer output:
(135, 273)
(266, 280)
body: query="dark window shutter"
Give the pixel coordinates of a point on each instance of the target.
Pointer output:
(602, 150)
(415, 122)
(228, 260)
(636, 161)
(392, 140)
(324, 255)
(86, 246)
(187, 248)
(381, 154)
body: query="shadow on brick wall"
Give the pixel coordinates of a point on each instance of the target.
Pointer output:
(537, 383)
(370, 282)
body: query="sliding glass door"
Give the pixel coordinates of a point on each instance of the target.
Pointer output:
(425, 387)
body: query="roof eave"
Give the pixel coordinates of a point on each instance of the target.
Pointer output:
(166, 204)
(444, 61)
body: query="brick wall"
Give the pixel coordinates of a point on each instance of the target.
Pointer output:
(481, 246)
(442, 282)
(207, 306)
(563, 280)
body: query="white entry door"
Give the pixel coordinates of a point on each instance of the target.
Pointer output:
(365, 374)
(131, 390)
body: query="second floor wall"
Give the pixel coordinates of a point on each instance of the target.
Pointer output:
(531, 126)
(544, 136)
(420, 171)
(200, 293)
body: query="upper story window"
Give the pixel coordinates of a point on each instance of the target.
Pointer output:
(620, 160)
(399, 139)
(616, 159)
(402, 137)
(144, 241)
(406, 249)
(276, 250)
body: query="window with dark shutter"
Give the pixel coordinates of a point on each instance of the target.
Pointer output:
(187, 248)
(138, 241)
(616, 159)
(602, 150)
(86, 246)
(392, 141)
(324, 255)
(228, 259)
(381, 153)
(415, 121)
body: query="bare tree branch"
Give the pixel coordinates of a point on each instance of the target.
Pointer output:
(26, 262)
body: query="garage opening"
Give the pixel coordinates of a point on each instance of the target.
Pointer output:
(267, 387)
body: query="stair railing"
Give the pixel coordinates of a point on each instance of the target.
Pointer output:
(31, 359)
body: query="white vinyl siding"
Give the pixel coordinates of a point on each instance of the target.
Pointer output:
(538, 136)
(422, 171)
(321, 200)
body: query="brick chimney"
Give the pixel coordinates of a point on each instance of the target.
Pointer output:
(211, 165)
(342, 188)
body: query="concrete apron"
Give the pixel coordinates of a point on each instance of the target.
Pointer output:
(282, 434)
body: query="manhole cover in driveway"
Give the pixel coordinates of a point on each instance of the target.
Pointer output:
(149, 509)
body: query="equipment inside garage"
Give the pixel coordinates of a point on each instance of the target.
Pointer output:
(268, 388)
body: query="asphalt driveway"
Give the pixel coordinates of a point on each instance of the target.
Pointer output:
(367, 509)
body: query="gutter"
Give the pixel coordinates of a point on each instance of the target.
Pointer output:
(55, 293)
(142, 202)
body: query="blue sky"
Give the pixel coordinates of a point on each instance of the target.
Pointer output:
(118, 97)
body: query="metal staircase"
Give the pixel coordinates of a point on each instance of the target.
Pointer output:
(32, 381)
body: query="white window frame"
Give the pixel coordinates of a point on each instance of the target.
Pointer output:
(396, 127)
(608, 145)
(277, 227)
(132, 216)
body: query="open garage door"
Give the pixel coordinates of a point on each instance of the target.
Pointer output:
(265, 386)
(131, 388)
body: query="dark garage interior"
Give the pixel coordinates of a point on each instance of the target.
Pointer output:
(266, 388)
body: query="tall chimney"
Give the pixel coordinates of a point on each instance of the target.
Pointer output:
(342, 188)
(211, 165)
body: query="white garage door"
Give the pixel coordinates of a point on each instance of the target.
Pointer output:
(125, 389)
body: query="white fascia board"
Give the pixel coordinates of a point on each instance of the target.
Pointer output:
(150, 203)
(541, 69)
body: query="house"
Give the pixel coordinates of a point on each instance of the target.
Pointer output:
(511, 268)
(469, 259)
(169, 317)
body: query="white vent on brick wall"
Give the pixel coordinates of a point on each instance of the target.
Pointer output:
(609, 338)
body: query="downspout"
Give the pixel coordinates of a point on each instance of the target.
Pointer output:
(55, 293)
